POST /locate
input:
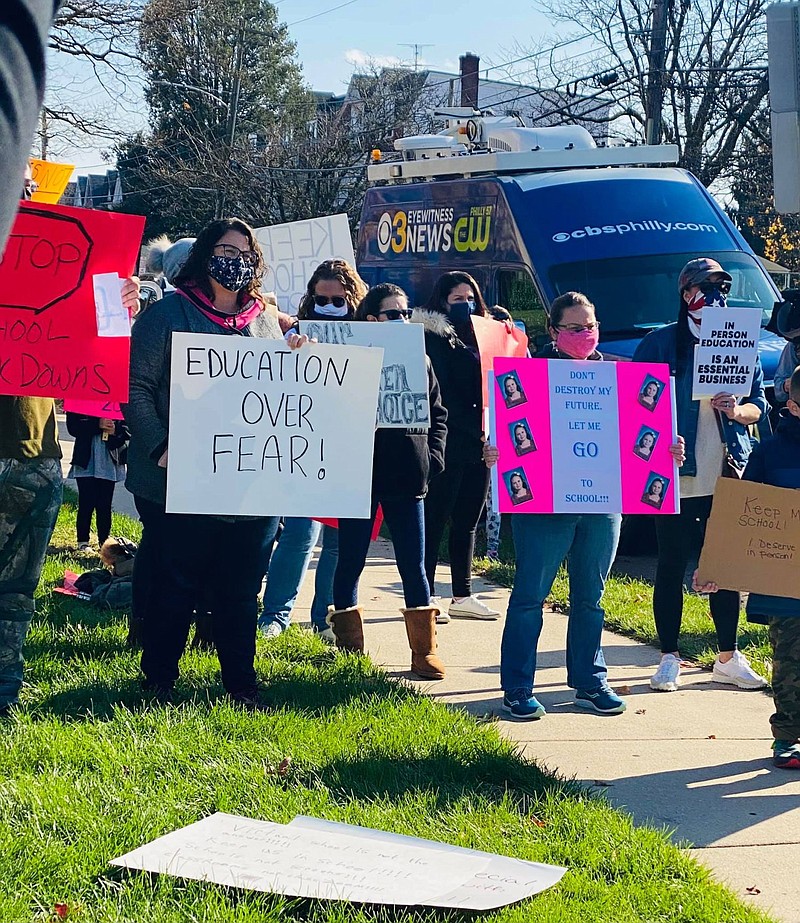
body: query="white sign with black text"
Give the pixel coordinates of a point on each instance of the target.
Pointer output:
(293, 251)
(258, 429)
(725, 357)
(403, 397)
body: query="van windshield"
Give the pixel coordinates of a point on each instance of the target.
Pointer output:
(632, 293)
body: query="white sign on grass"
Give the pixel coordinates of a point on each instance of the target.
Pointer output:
(403, 398)
(725, 357)
(258, 429)
(293, 251)
(315, 859)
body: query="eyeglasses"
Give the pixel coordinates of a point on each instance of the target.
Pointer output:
(706, 287)
(395, 313)
(337, 301)
(578, 328)
(234, 253)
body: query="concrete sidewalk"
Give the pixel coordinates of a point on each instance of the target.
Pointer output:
(696, 761)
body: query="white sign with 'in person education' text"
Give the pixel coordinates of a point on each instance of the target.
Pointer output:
(329, 861)
(258, 429)
(403, 398)
(293, 251)
(725, 357)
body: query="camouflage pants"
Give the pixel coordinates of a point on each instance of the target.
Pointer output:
(784, 635)
(30, 497)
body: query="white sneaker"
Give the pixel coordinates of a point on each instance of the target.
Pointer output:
(326, 634)
(444, 616)
(667, 676)
(472, 608)
(738, 672)
(272, 631)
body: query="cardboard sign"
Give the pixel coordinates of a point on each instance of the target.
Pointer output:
(583, 437)
(49, 343)
(108, 409)
(293, 251)
(258, 429)
(495, 340)
(753, 539)
(52, 179)
(332, 861)
(725, 358)
(403, 397)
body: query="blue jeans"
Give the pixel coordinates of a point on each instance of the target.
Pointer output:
(287, 570)
(542, 542)
(405, 520)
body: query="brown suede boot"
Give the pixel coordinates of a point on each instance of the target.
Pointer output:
(348, 628)
(421, 631)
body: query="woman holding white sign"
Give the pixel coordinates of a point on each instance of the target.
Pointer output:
(197, 556)
(717, 444)
(404, 461)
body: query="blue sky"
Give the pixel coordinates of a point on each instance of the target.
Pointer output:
(331, 46)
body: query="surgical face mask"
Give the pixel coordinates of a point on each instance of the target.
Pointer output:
(330, 310)
(577, 344)
(232, 273)
(461, 310)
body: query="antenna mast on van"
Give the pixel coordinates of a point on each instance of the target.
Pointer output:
(474, 142)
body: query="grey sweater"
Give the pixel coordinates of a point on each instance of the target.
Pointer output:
(147, 410)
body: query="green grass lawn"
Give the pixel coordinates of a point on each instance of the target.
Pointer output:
(90, 770)
(628, 605)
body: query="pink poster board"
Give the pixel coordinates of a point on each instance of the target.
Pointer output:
(107, 409)
(583, 437)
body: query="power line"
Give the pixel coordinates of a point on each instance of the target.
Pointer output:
(333, 9)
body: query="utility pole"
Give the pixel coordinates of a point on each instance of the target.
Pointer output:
(416, 46)
(655, 77)
(43, 134)
(233, 112)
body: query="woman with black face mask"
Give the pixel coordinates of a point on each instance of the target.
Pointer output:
(219, 559)
(717, 442)
(456, 498)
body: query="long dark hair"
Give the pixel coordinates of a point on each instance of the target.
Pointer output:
(372, 301)
(195, 269)
(446, 283)
(340, 271)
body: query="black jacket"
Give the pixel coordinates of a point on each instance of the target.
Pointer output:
(84, 429)
(458, 371)
(405, 460)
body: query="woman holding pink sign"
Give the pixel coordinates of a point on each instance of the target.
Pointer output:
(717, 444)
(588, 542)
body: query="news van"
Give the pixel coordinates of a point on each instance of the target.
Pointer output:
(532, 213)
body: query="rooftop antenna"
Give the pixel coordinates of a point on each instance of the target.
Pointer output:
(417, 47)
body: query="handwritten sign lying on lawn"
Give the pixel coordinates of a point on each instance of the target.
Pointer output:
(329, 861)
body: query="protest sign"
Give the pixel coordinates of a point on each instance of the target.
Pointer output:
(51, 178)
(725, 357)
(293, 251)
(332, 861)
(496, 340)
(113, 319)
(403, 396)
(257, 429)
(49, 343)
(108, 409)
(752, 539)
(583, 437)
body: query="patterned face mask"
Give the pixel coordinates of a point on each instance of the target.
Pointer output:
(232, 273)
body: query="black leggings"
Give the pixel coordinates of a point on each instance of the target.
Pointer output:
(678, 538)
(457, 496)
(94, 496)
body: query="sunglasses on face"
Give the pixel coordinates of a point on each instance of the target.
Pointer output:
(706, 287)
(337, 301)
(395, 313)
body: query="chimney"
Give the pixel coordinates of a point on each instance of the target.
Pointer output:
(469, 79)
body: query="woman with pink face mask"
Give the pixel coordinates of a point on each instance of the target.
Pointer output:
(542, 541)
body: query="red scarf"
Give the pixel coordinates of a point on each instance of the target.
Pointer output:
(238, 321)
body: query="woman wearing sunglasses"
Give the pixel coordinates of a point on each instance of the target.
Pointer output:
(458, 498)
(404, 461)
(334, 291)
(717, 440)
(193, 557)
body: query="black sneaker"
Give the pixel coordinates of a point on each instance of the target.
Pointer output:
(161, 692)
(249, 700)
